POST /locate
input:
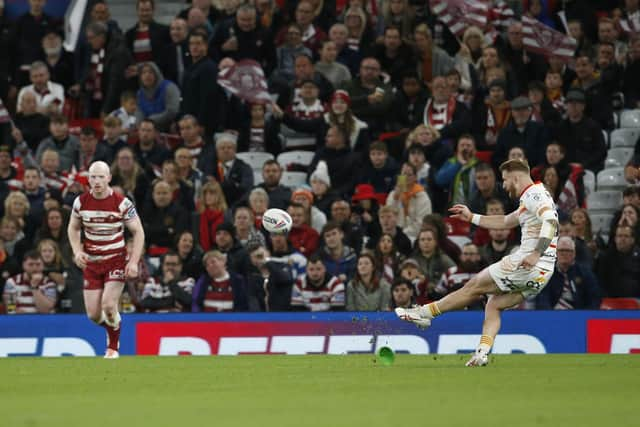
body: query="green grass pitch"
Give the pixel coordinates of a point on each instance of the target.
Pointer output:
(309, 391)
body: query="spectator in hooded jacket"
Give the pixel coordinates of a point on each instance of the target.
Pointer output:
(158, 99)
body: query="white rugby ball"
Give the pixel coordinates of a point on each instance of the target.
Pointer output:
(276, 221)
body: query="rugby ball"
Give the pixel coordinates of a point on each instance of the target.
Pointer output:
(276, 221)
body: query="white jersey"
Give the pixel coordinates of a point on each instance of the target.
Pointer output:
(508, 273)
(534, 201)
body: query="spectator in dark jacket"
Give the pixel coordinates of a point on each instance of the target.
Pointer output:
(200, 90)
(176, 57)
(572, 286)
(171, 290)
(219, 289)
(162, 219)
(234, 175)
(450, 117)
(244, 38)
(394, 55)
(631, 83)
(582, 136)
(618, 268)
(102, 74)
(379, 170)
(269, 282)
(409, 102)
(522, 132)
(147, 39)
(598, 99)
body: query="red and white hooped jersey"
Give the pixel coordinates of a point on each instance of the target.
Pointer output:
(103, 222)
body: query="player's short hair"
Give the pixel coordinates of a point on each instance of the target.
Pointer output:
(515, 165)
(378, 146)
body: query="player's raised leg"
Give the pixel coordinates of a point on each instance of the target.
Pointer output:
(109, 304)
(479, 285)
(491, 326)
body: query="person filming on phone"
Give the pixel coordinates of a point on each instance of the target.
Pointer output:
(411, 200)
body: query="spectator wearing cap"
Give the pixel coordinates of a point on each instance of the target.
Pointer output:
(199, 90)
(49, 95)
(542, 109)
(341, 161)
(227, 243)
(233, 174)
(411, 201)
(581, 135)
(380, 170)
(315, 217)
(219, 289)
(59, 60)
(365, 208)
(147, 39)
(450, 117)
(371, 98)
(306, 105)
(572, 285)
(323, 194)
(25, 39)
(597, 99)
(492, 115)
(339, 114)
(522, 132)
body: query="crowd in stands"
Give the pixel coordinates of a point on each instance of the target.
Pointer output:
(401, 118)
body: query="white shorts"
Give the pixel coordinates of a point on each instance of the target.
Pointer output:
(512, 279)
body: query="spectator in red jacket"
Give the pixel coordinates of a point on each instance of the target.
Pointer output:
(302, 236)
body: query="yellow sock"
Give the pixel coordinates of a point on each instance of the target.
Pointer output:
(433, 309)
(486, 342)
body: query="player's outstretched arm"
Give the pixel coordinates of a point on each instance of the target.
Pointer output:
(486, 221)
(137, 231)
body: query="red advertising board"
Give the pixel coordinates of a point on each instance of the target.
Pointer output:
(613, 336)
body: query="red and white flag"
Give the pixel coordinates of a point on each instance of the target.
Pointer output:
(4, 114)
(539, 38)
(245, 80)
(458, 15)
(501, 15)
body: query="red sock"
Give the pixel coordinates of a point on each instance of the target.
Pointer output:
(113, 336)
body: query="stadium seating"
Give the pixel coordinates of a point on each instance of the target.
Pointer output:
(589, 180)
(293, 179)
(297, 157)
(604, 202)
(630, 119)
(611, 179)
(257, 177)
(624, 137)
(600, 223)
(255, 159)
(617, 157)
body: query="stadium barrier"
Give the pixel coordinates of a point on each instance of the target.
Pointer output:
(322, 333)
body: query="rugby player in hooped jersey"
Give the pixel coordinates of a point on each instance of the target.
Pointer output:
(102, 254)
(523, 273)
